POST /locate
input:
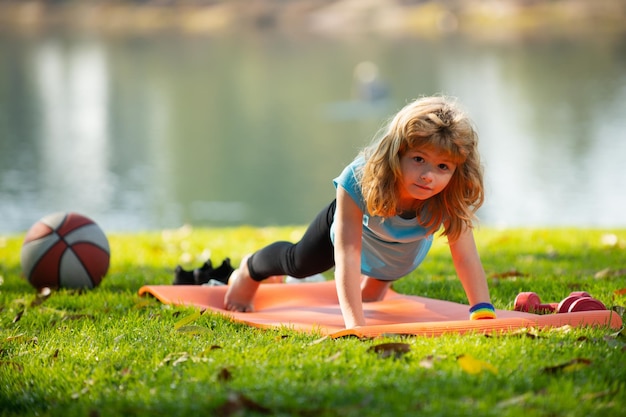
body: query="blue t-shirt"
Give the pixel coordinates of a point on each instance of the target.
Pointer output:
(391, 246)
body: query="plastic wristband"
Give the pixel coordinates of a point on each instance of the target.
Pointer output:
(482, 311)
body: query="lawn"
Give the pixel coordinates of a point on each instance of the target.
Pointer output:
(109, 352)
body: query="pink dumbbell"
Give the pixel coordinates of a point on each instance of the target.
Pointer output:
(576, 301)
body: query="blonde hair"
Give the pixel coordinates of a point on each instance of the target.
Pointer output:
(429, 122)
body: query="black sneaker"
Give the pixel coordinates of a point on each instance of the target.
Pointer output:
(206, 273)
(182, 277)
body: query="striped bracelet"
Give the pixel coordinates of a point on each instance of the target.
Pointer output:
(482, 311)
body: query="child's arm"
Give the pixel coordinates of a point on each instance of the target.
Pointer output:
(469, 268)
(348, 233)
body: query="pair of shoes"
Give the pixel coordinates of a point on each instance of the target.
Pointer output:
(182, 277)
(205, 274)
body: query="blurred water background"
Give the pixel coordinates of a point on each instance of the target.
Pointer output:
(224, 119)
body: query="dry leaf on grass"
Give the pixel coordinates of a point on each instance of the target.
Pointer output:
(18, 316)
(188, 319)
(429, 361)
(16, 366)
(517, 401)
(22, 338)
(239, 404)
(475, 366)
(224, 375)
(395, 350)
(513, 273)
(601, 394)
(524, 332)
(570, 366)
(42, 295)
(16, 337)
(318, 341)
(210, 349)
(333, 358)
(177, 358)
(192, 330)
(609, 273)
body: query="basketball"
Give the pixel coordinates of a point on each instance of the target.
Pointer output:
(65, 250)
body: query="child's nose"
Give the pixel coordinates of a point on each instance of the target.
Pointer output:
(427, 175)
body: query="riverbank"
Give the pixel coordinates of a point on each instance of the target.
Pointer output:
(485, 19)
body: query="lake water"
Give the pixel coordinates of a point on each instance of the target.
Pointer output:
(155, 132)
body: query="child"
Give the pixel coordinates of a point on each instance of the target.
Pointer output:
(423, 173)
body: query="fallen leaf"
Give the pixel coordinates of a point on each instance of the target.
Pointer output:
(192, 330)
(601, 394)
(209, 349)
(429, 361)
(570, 366)
(617, 334)
(16, 337)
(186, 320)
(525, 332)
(13, 365)
(621, 291)
(22, 338)
(180, 357)
(563, 329)
(224, 375)
(516, 401)
(318, 341)
(180, 360)
(18, 316)
(395, 350)
(513, 273)
(475, 366)
(42, 295)
(609, 273)
(237, 403)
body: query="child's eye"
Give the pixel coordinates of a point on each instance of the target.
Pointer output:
(418, 159)
(444, 167)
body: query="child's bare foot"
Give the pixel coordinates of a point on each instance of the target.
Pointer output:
(373, 289)
(241, 289)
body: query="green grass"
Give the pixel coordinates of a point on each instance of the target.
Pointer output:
(109, 352)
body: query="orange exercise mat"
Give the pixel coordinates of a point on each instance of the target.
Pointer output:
(313, 307)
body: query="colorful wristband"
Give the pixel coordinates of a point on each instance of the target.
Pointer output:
(482, 311)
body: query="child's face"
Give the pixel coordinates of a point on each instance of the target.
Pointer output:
(425, 173)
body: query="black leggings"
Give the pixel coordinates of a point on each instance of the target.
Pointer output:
(314, 253)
